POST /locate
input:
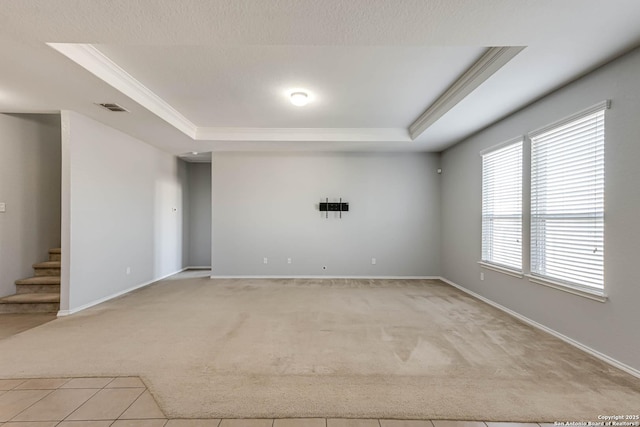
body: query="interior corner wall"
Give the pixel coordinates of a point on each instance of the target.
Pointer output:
(30, 188)
(124, 214)
(265, 205)
(199, 241)
(610, 328)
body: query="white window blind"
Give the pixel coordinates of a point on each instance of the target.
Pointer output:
(567, 200)
(502, 206)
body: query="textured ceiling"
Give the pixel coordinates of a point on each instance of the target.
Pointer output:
(370, 63)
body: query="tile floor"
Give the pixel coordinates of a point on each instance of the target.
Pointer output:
(126, 402)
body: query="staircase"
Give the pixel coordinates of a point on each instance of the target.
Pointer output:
(38, 294)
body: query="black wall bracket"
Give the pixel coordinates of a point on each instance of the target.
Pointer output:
(327, 207)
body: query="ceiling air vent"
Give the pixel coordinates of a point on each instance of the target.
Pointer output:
(113, 107)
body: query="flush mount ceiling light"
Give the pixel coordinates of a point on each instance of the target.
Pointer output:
(299, 98)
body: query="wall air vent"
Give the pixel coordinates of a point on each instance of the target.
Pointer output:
(113, 107)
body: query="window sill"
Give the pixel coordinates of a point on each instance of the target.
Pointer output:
(503, 270)
(586, 293)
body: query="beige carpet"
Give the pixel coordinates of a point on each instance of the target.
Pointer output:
(14, 323)
(333, 348)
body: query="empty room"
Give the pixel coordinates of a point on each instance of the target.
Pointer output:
(336, 213)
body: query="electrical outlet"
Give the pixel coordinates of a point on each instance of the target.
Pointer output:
(3, 207)
(373, 261)
(482, 275)
(265, 260)
(128, 270)
(288, 260)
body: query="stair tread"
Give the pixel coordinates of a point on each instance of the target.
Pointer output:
(31, 298)
(47, 264)
(55, 251)
(39, 280)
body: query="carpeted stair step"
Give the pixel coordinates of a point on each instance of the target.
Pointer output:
(30, 303)
(38, 284)
(47, 268)
(55, 254)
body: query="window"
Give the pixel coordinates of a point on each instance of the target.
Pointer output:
(567, 201)
(502, 206)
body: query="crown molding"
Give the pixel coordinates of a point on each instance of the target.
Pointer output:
(94, 61)
(303, 134)
(490, 62)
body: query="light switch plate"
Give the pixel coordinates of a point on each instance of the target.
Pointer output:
(3, 207)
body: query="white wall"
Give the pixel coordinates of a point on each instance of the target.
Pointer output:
(30, 187)
(265, 205)
(612, 327)
(122, 208)
(199, 224)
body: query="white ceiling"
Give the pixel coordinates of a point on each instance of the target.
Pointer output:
(246, 86)
(218, 70)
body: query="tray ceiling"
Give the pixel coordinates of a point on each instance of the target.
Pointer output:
(207, 75)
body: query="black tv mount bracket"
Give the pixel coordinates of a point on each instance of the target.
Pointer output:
(327, 207)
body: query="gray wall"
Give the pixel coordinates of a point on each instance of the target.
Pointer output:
(265, 205)
(30, 187)
(122, 208)
(612, 327)
(199, 214)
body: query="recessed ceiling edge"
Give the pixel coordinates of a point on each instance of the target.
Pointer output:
(490, 62)
(94, 61)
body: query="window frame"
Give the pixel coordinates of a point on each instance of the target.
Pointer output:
(592, 293)
(573, 287)
(490, 264)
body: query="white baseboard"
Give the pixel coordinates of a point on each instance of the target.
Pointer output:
(63, 313)
(607, 359)
(197, 267)
(331, 277)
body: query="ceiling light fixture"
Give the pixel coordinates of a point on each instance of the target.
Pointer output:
(299, 99)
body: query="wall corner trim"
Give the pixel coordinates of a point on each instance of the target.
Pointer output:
(607, 359)
(63, 313)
